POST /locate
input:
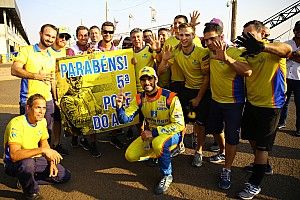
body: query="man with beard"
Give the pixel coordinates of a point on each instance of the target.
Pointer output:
(35, 65)
(147, 35)
(163, 113)
(58, 51)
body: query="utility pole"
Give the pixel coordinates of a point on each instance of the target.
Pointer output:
(106, 10)
(233, 19)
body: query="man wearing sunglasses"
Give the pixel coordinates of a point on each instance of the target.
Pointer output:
(58, 51)
(107, 32)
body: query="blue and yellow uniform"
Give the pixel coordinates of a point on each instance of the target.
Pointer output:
(164, 115)
(226, 85)
(35, 61)
(21, 132)
(228, 94)
(193, 66)
(144, 58)
(266, 86)
(176, 72)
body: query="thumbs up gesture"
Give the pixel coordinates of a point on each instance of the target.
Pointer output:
(120, 98)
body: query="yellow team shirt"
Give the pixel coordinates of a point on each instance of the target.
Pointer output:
(35, 61)
(267, 85)
(226, 85)
(21, 132)
(193, 66)
(176, 72)
(144, 58)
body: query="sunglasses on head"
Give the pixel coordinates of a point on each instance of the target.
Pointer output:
(105, 32)
(62, 35)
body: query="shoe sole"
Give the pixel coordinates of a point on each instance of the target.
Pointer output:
(224, 188)
(97, 156)
(216, 162)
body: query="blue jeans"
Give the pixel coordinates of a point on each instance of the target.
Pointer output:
(293, 86)
(32, 172)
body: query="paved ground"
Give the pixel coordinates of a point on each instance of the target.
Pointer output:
(112, 177)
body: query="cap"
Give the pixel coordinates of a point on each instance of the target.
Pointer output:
(217, 21)
(64, 30)
(147, 71)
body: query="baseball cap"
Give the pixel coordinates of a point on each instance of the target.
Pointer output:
(147, 71)
(65, 31)
(217, 21)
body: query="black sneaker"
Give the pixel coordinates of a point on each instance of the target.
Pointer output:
(281, 126)
(94, 150)
(83, 142)
(75, 142)
(249, 168)
(116, 143)
(34, 196)
(59, 148)
(197, 160)
(163, 184)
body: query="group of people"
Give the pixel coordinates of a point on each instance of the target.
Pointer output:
(237, 91)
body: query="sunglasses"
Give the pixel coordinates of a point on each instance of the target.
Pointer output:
(105, 32)
(62, 35)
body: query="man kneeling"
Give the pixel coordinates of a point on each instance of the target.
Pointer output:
(28, 155)
(162, 111)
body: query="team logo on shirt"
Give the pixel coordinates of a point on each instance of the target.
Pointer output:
(153, 113)
(195, 62)
(13, 134)
(145, 56)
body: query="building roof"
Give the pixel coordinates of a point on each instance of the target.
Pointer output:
(12, 10)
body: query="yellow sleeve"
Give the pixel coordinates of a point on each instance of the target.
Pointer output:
(22, 55)
(14, 131)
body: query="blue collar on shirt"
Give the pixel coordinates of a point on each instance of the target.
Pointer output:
(36, 48)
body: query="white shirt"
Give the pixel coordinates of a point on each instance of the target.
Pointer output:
(293, 67)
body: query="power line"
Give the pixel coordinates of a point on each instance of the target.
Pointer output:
(131, 6)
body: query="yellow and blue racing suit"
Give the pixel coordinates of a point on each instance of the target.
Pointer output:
(164, 115)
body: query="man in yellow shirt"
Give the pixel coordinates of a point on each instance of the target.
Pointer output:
(265, 97)
(27, 154)
(35, 65)
(227, 71)
(193, 61)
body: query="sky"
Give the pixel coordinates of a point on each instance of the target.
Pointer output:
(72, 13)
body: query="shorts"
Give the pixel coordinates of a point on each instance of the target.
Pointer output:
(260, 125)
(202, 110)
(56, 114)
(178, 87)
(228, 115)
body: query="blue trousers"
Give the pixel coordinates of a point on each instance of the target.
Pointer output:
(293, 86)
(32, 172)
